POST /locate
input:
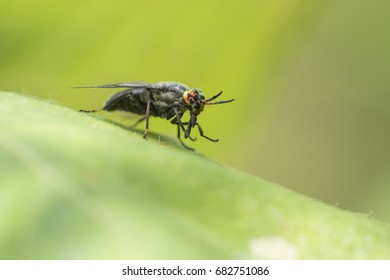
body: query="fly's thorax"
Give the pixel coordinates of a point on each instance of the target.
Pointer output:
(194, 100)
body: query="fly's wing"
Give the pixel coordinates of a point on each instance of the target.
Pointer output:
(126, 85)
(157, 87)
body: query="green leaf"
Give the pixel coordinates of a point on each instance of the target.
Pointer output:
(76, 187)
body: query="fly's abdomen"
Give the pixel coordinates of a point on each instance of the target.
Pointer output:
(134, 101)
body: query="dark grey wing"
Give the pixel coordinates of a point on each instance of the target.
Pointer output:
(178, 88)
(121, 85)
(126, 85)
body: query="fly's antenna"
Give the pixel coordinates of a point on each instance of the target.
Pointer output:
(220, 102)
(207, 101)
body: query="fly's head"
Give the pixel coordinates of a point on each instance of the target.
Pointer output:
(194, 100)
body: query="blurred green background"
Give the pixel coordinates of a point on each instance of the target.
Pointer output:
(310, 79)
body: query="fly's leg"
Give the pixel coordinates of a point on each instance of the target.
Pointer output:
(178, 136)
(177, 120)
(90, 111)
(187, 132)
(180, 126)
(132, 127)
(201, 134)
(138, 122)
(147, 118)
(191, 124)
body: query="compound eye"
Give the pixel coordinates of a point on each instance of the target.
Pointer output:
(190, 96)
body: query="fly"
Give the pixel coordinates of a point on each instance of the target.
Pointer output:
(167, 100)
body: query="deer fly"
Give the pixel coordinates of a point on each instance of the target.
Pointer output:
(167, 100)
